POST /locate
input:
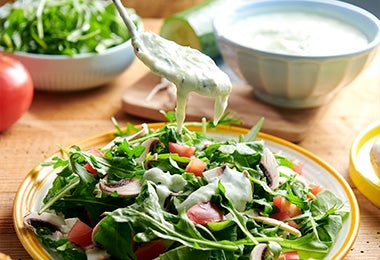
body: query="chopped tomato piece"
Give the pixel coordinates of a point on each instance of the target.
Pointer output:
(297, 167)
(204, 212)
(196, 166)
(88, 166)
(150, 250)
(96, 152)
(181, 149)
(80, 234)
(315, 188)
(286, 210)
(90, 169)
(286, 206)
(282, 216)
(289, 256)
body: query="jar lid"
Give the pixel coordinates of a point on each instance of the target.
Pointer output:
(362, 172)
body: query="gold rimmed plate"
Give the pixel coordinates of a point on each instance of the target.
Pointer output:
(35, 185)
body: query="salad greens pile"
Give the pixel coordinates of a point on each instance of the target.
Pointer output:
(66, 27)
(168, 191)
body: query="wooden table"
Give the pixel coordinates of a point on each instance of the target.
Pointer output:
(63, 118)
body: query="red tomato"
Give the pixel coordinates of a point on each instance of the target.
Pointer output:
(16, 91)
(196, 166)
(289, 256)
(90, 169)
(298, 168)
(315, 188)
(96, 152)
(150, 250)
(181, 149)
(80, 234)
(204, 212)
(286, 210)
(88, 166)
(286, 206)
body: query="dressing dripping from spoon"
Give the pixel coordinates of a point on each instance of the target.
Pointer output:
(189, 69)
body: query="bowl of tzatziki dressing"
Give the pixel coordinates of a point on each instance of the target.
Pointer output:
(296, 53)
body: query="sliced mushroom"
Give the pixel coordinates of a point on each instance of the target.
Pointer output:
(51, 221)
(258, 252)
(95, 253)
(124, 187)
(277, 223)
(148, 163)
(96, 229)
(149, 144)
(143, 131)
(269, 166)
(213, 173)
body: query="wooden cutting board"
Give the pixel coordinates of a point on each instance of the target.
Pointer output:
(290, 124)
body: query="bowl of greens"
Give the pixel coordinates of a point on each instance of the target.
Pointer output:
(67, 45)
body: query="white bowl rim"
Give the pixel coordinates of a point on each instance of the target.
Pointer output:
(64, 56)
(86, 55)
(226, 12)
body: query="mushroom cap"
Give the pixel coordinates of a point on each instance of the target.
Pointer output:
(258, 252)
(50, 220)
(269, 166)
(124, 187)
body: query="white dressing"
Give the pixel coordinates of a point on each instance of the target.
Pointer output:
(166, 183)
(237, 187)
(189, 69)
(299, 33)
(202, 194)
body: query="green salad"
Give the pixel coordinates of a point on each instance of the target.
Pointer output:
(164, 194)
(65, 27)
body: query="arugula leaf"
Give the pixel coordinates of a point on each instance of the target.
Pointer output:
(307, 246)
(329, 212)
(239, 219)
(252, 134)
(66, 27)
(147, 215)
(185, 253)
(116, 237)
(327, 203)
(62, 249)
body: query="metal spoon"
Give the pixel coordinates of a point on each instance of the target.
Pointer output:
(189, 69)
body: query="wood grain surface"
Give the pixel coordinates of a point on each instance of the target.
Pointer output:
(64, 118)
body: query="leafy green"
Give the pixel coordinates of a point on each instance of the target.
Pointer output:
(62, 248)
(157, 212)
(116, 237)
(146, 214)
(67, 27)
(184, 253)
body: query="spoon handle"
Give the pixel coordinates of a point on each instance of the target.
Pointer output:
(127, 20)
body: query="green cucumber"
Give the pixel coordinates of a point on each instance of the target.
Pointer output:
(193, 27)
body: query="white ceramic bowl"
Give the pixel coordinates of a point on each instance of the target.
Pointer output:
(291, 80)
(78, 72)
